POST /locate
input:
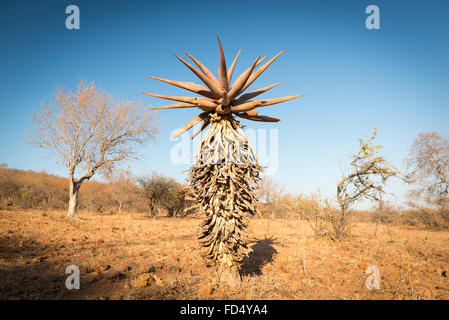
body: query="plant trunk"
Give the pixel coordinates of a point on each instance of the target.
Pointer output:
(73, 199)
(341, 228)
(230, 276)
(223, 183)
(151, 211)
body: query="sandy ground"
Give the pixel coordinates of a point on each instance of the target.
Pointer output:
(131, 256)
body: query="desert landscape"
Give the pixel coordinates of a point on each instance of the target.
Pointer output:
(274, 150)
(133, 256)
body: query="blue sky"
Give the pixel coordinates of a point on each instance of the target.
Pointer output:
(395, 78)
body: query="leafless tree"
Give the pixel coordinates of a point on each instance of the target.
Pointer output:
(429, 162)
(123, 187)
(88, 130)
(270, 192)
(428, 167)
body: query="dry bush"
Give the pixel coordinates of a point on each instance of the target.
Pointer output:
(39, 190)
(30, 189)
(433, 214)
(410, 217)
(272, 199)
(324, 220)
(419, 216)
(387, 214)
(275, 210)
(436, 219)
(361, 216)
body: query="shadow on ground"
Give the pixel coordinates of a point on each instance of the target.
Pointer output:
(25, 272)
(263, 253)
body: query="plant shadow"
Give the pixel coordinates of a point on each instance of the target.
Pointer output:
(263, 253)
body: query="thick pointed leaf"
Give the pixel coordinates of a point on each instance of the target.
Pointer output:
(246, 106)
(203, 102)
(231, 69)
(176, 106)
(174, 98)
(191, 86)
(258, 118)
(259, 71)
(268, 102)
(225, 100)
(260, 61)
(208, 82)
(203, 126)
(205, 71)
(254, 93)
(252, 112)
(222, 71)
(190, 124)
(241, 80)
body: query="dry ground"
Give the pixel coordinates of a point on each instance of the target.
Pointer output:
(131, 256)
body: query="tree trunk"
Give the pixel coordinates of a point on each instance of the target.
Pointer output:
(151, 209)
(73, 198)
(341, 228)
(379, 213)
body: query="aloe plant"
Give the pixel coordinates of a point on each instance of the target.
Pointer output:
(224, 179)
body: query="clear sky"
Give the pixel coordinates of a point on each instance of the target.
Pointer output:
(395, 78)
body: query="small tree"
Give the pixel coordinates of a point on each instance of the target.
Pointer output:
(270, 193)
(174, 200)
(89, 130)
(226, 172)
(123, 187)
(369, 173)
(317, 212)
(156, 189)
(428, 167)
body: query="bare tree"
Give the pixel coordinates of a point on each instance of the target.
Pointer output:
(428, 167)
(271, 193)
(90, 131)
(369, 173)
(429, 162)
(123, 187)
